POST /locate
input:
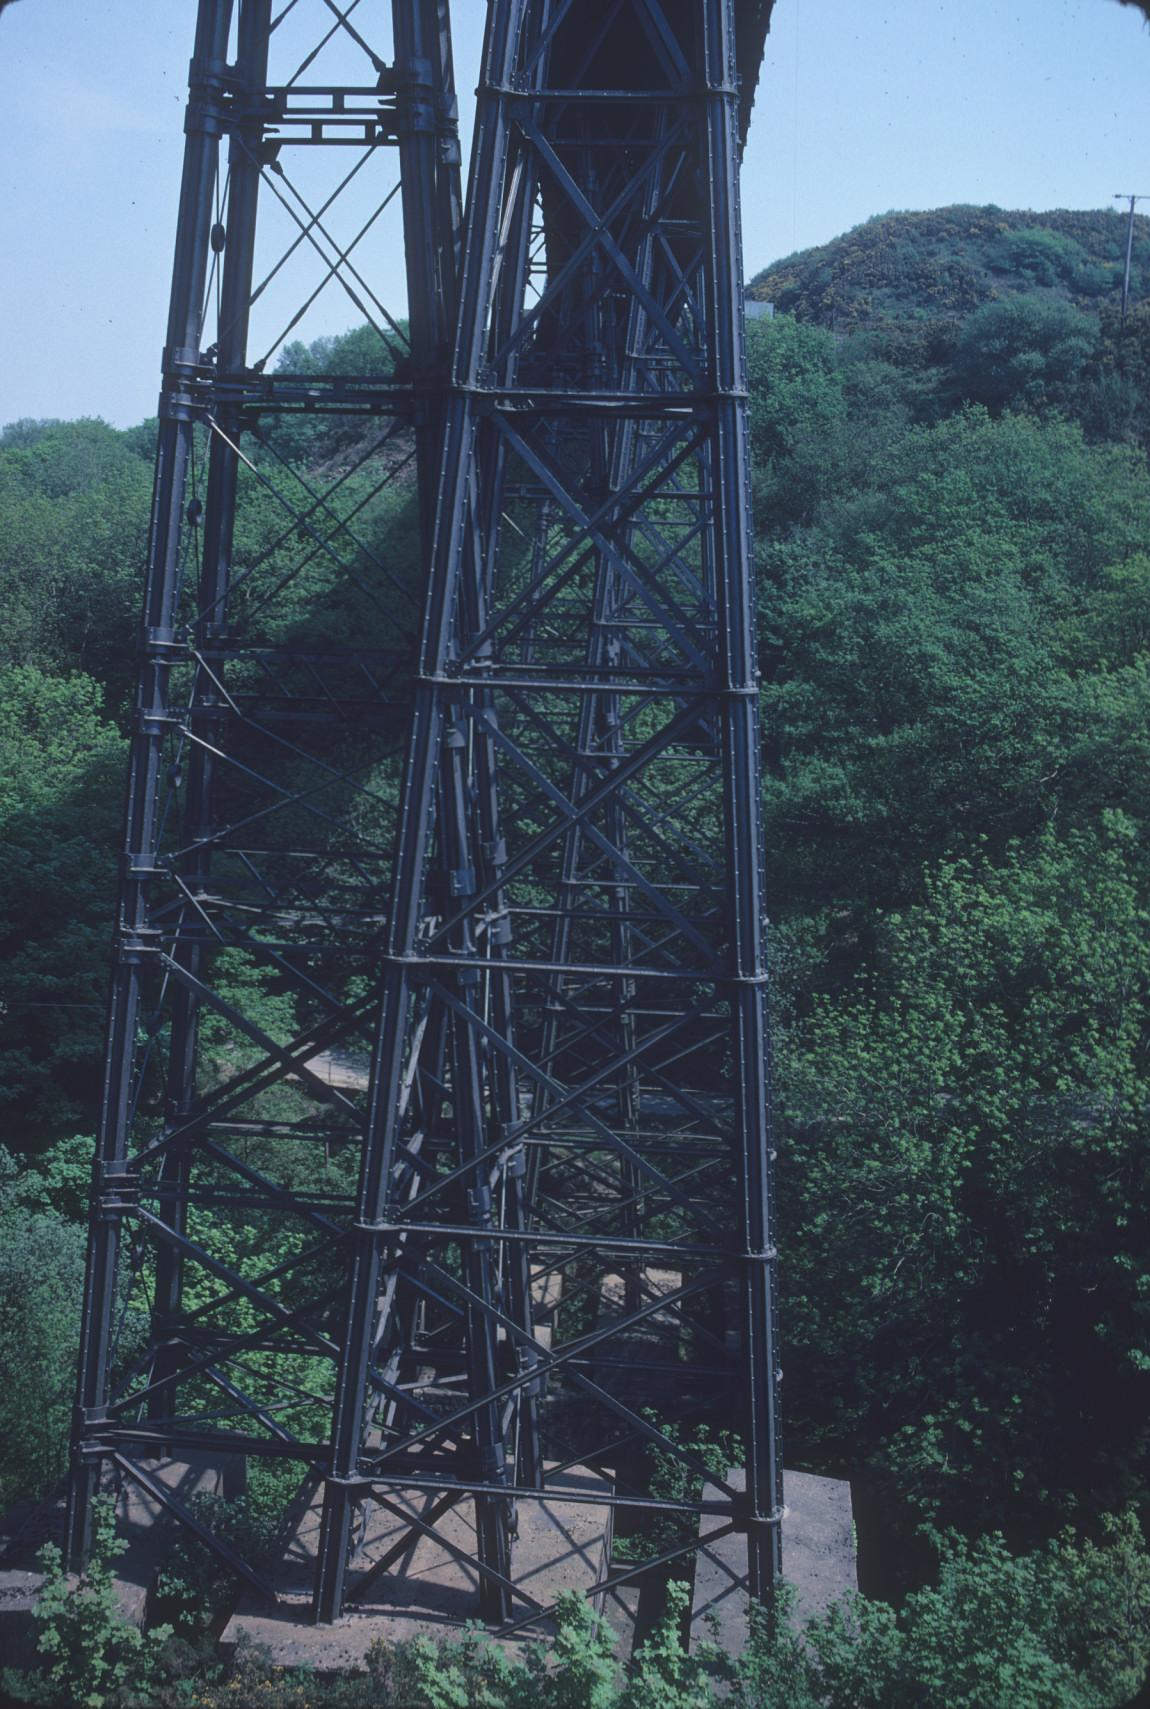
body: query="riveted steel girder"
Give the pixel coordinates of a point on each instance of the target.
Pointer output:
(436, 1130)
(583, 768)
(281, 605)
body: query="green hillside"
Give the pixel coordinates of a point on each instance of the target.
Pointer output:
(948, 435)
(932, 311)
(943, 264)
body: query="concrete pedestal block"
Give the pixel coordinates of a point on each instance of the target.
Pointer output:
(818, 1558)
(140, 1522)
(432, 1589)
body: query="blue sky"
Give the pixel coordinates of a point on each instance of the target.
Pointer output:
(862, 108)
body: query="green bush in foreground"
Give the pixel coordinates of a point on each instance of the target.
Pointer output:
(1065, 1627)
(92, 1656)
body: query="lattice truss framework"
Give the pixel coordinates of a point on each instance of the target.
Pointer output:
(578, 883)
(564, 1156)
(282, 616)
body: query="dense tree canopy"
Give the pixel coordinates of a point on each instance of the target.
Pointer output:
(953, 512)
(61, 793)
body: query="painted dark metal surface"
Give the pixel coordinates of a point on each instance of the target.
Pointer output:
(555, 1246)
(588, 665)
(276, 650)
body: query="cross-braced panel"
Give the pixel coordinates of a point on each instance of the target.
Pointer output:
(282, 610)
(572, 1251)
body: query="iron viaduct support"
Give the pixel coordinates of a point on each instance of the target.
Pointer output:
(436, 1152)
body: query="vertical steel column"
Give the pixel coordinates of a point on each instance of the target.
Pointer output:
(585, 757)
(742, 763)
(429, 173)
(248, 80)
(455, 543)
(178, 411)
(256, 875)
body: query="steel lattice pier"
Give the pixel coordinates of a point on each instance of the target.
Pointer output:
(496, 823)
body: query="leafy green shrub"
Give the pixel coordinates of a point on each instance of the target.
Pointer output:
(1029, 352)
(671, 1479)
(41, 1276)
(93, 1657)
(195, 1588)
(1065, 1627)
(575, 1670)
(1045, 257)
(663, 1675)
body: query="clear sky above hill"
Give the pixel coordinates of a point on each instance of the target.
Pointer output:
(862, 108)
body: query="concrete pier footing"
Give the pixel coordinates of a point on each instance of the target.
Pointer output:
(819, 1559)
(432, 1588)
(140, 1523)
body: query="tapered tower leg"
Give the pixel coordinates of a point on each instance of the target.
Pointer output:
(585, 752)
(136, 942)
(256, 853)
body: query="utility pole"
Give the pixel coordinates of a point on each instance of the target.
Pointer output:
(1133, 200)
